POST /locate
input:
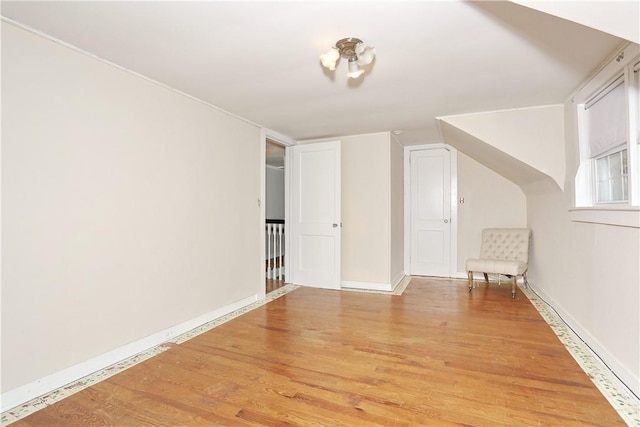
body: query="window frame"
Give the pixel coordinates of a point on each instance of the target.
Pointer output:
(626, 64)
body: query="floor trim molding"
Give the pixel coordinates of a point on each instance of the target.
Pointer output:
(367, 286)
(397, 289)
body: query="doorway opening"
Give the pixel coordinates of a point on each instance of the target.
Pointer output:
(275, 216)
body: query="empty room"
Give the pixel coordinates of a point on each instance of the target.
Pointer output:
(320, 213)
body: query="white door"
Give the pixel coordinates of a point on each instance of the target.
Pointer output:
(430, 212)
(315, 214)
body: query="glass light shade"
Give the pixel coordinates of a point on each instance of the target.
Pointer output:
(354, 69)
(365, 54)
(330, 58)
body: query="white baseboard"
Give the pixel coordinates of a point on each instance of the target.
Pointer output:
(400, 279)
(397, 280)
(42, 386)
(368, 286)
(627, 377)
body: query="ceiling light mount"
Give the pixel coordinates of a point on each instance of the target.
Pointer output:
(347, 47)
(351, 49)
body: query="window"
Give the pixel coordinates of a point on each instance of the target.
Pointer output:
(606, 124)
(607, 108)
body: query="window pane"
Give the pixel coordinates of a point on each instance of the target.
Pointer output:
(617, 189)
(602, 168)
(612, 179)
(604, 195)
(615, 165)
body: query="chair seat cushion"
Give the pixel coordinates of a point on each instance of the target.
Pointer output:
(501, 266)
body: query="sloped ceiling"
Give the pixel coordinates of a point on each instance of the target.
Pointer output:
(620, 18)
(532, 136)
(259, 60)
(517, 171)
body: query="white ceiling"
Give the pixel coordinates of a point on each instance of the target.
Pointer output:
(259, 60)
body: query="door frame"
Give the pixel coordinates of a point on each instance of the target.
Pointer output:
(453, 247)
(286, 142)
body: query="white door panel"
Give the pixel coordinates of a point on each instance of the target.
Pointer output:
(430, 244)
(429, 186)
(315, 212)
(430, 212)
(316, 172)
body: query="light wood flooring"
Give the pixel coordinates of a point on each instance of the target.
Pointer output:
(436, 355)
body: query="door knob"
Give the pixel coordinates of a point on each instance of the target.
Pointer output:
(335, 225)
(446, 221)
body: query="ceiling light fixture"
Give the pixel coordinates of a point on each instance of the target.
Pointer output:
(352, 49)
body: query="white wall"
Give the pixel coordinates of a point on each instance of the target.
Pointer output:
(490, 200)
(274, 204)
(123, 213)
(365, 208)
(397, 211)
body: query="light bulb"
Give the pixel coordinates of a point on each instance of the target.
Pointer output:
(354, 69)
(330, 58)
(365, 54)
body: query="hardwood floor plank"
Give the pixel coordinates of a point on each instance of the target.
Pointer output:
(436, 355)
(267, 380)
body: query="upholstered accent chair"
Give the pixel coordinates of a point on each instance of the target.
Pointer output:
(503, 251)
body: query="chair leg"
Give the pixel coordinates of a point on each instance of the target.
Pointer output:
(470, 275)
(525, 280)
(513, 286)
(486, 277)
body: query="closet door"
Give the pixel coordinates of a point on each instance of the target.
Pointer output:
(430, 212)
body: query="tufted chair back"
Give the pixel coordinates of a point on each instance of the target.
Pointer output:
(505, 244)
